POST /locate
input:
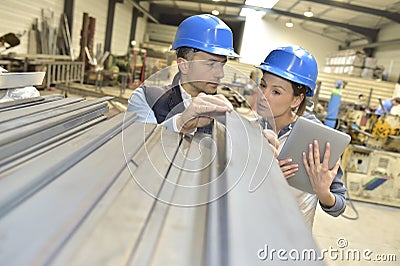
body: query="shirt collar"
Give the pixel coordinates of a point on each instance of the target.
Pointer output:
(187, 99)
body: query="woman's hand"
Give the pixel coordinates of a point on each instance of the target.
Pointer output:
(288, 168)
(320, 175)
(272, 140)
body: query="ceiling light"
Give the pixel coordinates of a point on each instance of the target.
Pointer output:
(289, 24)
(309, 13)
(216, 0)
(261, 3)
(215, 12)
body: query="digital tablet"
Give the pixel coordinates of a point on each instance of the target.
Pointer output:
(303, 133)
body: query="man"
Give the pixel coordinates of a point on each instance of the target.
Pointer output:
(202, 44)
(387, 105)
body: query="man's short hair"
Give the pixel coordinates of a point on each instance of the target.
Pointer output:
(186, 52)
(397, 99)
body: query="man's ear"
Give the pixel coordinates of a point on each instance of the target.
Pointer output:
(183, 65)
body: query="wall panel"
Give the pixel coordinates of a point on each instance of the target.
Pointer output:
(98, 10)
(18, 16)
(122, 28)
(389, 55)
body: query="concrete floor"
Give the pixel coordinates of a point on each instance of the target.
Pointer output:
(377, 229)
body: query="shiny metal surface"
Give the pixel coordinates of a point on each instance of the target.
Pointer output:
(126, 193)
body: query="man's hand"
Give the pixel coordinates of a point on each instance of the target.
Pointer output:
(201, 112)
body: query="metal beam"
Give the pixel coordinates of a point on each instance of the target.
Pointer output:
(167, 9)
(135, 16)
(110, 23)
(376, 12)
(224, 4)
(69, 12)
(144, 11)
(371, 45)
(371, 34)
(17, 113)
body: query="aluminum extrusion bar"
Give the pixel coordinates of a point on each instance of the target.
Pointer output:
(126, 193)
(17, 113)
(46, 145)
(59, 216)
(149, 235)
(22, 103)
(17, 140)
(19, 183)
(20, 79)
(185, 221)
(30, 118)
(268, 202)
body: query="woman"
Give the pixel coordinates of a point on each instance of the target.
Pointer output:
(289, 76)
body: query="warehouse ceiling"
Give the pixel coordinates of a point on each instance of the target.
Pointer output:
(345, 21)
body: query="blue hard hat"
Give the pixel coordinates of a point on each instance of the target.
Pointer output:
(206, 33)
(293, 63)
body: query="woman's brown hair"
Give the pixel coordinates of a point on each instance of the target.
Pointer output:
(299, 89)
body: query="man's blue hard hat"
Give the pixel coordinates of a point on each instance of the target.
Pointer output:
(293, 63)
(206, 33)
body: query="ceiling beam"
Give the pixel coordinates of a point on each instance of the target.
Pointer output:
(376, 12)
(158, 9)
(207, 2)
(144, 11)
(371, 34)
(210, 2)
(372, 45)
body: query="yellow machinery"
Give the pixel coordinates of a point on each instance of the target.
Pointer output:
(371, 161)
(372, 130)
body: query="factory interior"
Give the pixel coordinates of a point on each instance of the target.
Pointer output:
(84, 181)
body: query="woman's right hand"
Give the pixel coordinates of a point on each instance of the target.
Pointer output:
(288, 168)
(272, 140)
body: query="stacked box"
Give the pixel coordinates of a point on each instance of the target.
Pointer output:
(353, 63)
(349, 62)
(370, 62)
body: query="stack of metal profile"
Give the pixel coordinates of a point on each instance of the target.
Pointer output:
(119, 192)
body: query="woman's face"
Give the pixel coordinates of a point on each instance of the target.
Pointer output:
(279, 94)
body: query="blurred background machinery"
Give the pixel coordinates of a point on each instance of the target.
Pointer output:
(371, 160)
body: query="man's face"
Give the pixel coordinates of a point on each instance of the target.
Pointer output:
(203, 73)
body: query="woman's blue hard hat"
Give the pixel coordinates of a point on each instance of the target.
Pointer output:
(293, 63)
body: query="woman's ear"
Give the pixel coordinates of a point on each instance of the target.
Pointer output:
(297, 100)
(183, 65)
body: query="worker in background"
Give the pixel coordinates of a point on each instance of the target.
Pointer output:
(387, 105)
(202, 44)
(289, 76)
(320, 112)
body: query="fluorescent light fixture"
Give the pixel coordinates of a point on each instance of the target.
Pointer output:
(215, 12)
(309, 13)
(257, 3)
(289, 24)
(216, 0)
(261, 3)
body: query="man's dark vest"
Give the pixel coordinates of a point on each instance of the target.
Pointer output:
(167, 102)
